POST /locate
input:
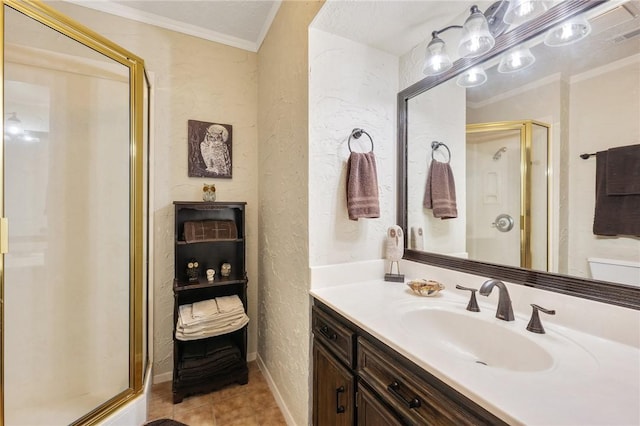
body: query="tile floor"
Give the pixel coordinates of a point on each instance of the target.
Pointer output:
(235, 405)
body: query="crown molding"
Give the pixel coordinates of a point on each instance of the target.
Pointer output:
(178, 26)
(267, 23)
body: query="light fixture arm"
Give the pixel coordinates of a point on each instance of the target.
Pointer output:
(436, 33)
(476, 40)
(473, 9)
(12, 116)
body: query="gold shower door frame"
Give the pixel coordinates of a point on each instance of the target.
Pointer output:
(525, 127)
(58, 22)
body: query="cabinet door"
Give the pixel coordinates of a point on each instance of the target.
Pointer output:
(372, 412)
(333, 390)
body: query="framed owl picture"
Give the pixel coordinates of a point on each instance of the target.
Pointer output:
(209, 149)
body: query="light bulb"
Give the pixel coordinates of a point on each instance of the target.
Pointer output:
(472, 78)
(436, 59)
(516, 59)
(521, 11)
(568, 32)
(476, 39)
(14, 125)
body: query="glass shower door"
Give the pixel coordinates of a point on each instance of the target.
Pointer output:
(493, 196)
(507, 193)
(67, 274)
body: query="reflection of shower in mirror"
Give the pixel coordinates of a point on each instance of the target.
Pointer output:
(499, 152)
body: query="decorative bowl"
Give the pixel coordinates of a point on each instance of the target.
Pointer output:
(425, 287)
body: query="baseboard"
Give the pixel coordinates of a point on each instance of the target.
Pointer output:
(163, 377)
(274, 390)
(252, 356)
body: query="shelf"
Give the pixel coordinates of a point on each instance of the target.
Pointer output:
(209, 205)
(206, 374)
(185, 243)
(203, 283)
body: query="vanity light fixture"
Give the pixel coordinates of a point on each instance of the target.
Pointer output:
(436, 60)
(516, 59)
(14, 125)
(472, 77)
(521, 11)
(571, 31)
(476, 37)
(476, 40)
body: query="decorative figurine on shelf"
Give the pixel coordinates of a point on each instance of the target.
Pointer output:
(211, 273)
(193, 270)
(208, 192)
(225, 270)
(394, 250)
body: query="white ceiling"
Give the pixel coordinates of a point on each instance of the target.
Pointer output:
(394, 26)
(237, 23)
(244, 23)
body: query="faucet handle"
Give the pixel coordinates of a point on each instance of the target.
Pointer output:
(535, 326)
(473, 303)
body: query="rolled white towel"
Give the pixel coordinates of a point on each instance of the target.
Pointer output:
(205, 308)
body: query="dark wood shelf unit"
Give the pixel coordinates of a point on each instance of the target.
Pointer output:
(209, 254)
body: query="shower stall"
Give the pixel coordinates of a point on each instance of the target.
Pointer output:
(74, 225)
(507, 193)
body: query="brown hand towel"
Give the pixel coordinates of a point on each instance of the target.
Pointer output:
(614, 214)
(440, 193)
(362, 186)
(623, 170)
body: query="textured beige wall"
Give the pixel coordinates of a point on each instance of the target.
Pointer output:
(201, 80)
(346, 90)
(283, 185)
(604, 113)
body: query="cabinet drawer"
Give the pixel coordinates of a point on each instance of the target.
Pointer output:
(337, 337)
(414, 399)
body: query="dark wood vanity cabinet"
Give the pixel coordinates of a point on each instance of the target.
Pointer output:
(333, 379)
(371, 410)
(333, 399)
(389, 389)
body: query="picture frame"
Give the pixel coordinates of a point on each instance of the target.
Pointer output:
(209, 149)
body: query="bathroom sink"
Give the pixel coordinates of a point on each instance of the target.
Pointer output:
(488, 342)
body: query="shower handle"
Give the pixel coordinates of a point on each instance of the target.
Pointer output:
(503, 223)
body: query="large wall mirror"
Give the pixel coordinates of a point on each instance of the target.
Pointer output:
(518, 138)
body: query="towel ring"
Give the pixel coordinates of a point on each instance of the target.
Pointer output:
(435, 145)
(356, 133)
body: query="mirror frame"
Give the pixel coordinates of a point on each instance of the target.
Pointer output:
(615, 294)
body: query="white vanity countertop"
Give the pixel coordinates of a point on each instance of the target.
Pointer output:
(597, 384)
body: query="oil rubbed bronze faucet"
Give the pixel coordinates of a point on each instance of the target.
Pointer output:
(504, 311)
